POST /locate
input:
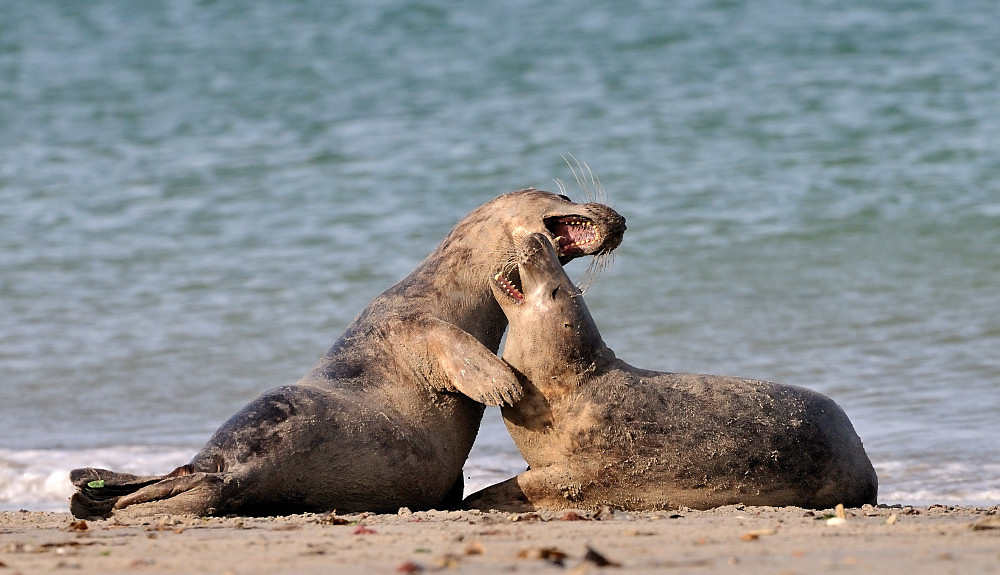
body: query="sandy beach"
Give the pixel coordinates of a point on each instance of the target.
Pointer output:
(733, 539)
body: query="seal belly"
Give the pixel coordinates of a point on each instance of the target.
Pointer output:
(303, 448)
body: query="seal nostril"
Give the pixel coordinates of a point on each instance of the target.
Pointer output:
(555, 292)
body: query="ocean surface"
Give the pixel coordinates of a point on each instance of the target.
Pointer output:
(196, 198)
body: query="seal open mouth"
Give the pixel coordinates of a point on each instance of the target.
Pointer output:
(575, 235)
(509, 284)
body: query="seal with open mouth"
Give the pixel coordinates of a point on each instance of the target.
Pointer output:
(387, 417)
(597, 431)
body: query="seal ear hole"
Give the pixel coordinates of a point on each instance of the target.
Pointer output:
(567, 324)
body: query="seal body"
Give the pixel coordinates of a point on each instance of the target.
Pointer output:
(388, 416)
(597, 431)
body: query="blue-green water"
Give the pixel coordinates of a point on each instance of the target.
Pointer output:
(197, 197)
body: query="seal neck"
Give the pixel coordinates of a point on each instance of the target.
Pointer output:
(456, 290)
(559, 357)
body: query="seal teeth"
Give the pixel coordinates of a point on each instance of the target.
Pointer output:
(576, 235)
(592, 234)
(508, 287)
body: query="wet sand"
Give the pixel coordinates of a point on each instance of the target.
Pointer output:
(733, 539)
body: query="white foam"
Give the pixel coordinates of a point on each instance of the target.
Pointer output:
(947, 482)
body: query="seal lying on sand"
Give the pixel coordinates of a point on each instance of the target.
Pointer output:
(388, 416)
(597, 431)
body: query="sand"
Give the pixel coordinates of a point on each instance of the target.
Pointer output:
(735, 539)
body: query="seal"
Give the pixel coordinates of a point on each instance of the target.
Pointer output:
(597, 431)
(388, 415)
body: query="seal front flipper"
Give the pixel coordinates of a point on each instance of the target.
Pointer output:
(469, 367)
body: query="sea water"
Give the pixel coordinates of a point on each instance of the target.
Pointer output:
(196, 198)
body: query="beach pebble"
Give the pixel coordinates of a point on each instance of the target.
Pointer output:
(987, 522)
(553, 555)
(835, 521)
(474, 548)
(598, 559)
(757, 534)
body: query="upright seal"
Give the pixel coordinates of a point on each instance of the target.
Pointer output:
(597, 431)
(387, 417)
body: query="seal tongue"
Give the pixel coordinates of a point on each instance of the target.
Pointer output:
(509, 287)
(575, 234)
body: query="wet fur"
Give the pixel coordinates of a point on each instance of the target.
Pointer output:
(387, 417)
(597, 431)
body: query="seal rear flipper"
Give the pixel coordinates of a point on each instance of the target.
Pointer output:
(195, 494)
(107, 482)
(83, 507)
(470, 367)
(98, 490)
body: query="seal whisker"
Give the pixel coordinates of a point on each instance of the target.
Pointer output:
(600, 263)
(595, 269)
(504, 254)
(585, 178)
(563, 188)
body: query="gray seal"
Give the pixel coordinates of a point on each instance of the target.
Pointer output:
(597, 431)
(388, 416)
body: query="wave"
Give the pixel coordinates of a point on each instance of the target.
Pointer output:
(939, 482)
(38, 479)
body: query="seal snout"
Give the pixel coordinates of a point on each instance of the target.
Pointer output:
(614, 229)
(511, 282)
(600, 232)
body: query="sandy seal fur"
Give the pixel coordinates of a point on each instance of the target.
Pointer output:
(597, 431)
(387, 417)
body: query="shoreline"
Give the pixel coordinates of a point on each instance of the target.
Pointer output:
(731, 539)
